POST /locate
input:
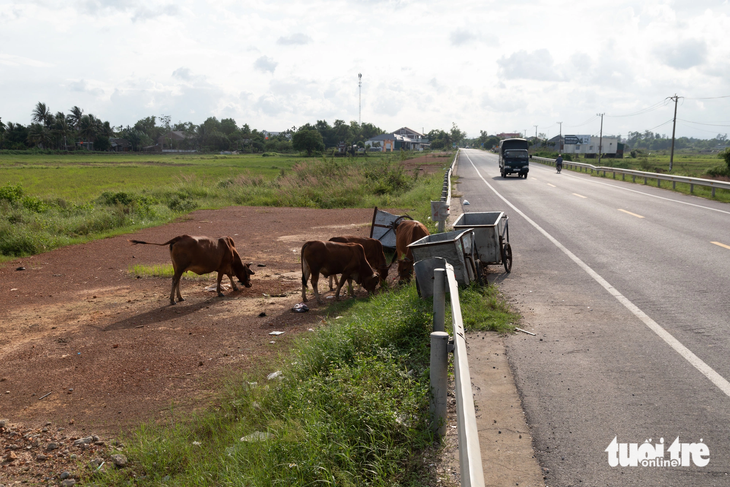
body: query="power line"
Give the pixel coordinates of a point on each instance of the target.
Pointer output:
(708, 124)
(710, 98)
(584, 123)
(648, 109)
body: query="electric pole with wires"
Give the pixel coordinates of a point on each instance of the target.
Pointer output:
(674, 126)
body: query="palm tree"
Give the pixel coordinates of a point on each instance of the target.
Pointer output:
(42, 114)
(39, 135)
(61, 129)
(74, 117)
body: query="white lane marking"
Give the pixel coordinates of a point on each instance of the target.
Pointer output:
(675, 344)
(621, 187)
(629, 213)
(721, 245)
(551, 185)
(580, 196)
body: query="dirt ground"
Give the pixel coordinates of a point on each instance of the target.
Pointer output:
(89, 347)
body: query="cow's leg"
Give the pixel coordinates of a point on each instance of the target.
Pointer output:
(315, 286)
(305, 277)
(218, 287)
(176, 288)
(349, 288)
(334, 277)
(343, 279)
(233, 283)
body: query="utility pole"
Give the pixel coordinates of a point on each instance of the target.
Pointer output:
(535, 132)
(560, 138)
(359, 86)
(674, 126)
(600, 138)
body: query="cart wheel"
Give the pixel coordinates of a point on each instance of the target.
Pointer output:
(507, 257)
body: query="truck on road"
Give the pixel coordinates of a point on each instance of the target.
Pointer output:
(513, 157)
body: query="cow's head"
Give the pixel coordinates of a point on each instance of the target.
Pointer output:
(243, 272)
(370, 282)
(405, 269)
(383, 271)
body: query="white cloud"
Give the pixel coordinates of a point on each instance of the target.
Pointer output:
(495, 66)
(265, 64)
(536, 65)
(683, 54)
(297, 39)
(465, 36)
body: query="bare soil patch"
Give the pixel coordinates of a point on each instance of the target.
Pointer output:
(88, 348)
(428, 164)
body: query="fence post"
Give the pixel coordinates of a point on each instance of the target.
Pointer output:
(439, 390)
(439, 299)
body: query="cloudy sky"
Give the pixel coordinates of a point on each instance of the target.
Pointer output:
(274, 64)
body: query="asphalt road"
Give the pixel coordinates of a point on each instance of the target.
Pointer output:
(626, 287)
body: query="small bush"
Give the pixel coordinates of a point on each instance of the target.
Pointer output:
(10, 193)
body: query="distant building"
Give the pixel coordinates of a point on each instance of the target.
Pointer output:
(403, 138)
(587, 145)
(119, 145)
(510, 135)
(173, 141)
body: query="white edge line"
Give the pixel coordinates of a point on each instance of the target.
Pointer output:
(617, 186)
(685, 352)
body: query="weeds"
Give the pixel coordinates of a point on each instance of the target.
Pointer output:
(350, 408)
(30, 225)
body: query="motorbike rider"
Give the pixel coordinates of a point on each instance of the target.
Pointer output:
(559, 163)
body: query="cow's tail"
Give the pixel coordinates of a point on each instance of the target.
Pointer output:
(305, 267)
(169, 242)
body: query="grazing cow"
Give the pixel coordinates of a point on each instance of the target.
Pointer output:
(407, 232)
(330, 258)
(373, 252)
(203, 255)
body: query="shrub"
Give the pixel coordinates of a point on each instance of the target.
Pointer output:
(10, 193)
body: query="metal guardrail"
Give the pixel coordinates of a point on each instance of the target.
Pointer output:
(440, 209)
(470, 454)
(711, 183)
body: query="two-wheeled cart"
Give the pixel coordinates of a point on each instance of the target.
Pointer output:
(456, 247)
(491, 238)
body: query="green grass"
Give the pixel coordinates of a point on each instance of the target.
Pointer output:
(350, 408)
(43, 206)
(484, 309)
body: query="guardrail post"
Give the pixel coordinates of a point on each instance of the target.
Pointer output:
(439, 363)
(439, 299)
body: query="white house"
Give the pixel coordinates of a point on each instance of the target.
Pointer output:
(403, 138)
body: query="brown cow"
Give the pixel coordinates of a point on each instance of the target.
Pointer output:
(373, 252)
(407, 232)
(330, 258)
(203, 255)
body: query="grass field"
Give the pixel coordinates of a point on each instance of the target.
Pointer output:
(350, 407)
(685, 163)
(80, 178)
(48, 201)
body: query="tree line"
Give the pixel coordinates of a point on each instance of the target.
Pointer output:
(654, 141)
(78, 130)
